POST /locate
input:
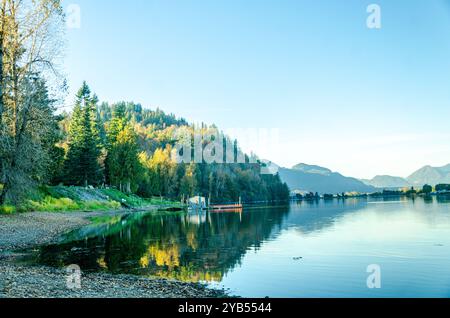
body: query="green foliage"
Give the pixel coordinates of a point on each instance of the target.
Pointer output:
(50, 204)
(95, 205)
(7, 209)
(136, 201)
(220, 182)
(135, 148)
(159, 168)
(27, 146)
(82, 164)
(129, 199)
(56, 167)
(135, 113)
(411, 191)
(443, 187)
(26, 110)
(427, 189)
(61, 198)
(122, 164)
(138, 145)
(124, 145)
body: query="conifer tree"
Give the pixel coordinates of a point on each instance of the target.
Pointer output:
(82, 166)
(122, 163)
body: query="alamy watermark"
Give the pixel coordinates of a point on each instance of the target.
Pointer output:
(211, 146)
(374, 279)
(73, 278)
(374, 18)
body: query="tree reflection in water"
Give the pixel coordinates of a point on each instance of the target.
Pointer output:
(189, 246)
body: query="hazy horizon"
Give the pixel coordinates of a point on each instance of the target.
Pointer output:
(359, 101)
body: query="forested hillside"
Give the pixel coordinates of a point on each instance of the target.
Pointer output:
(96, 145)
(129, 147)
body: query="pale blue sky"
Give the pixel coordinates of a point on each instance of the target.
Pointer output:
(356, 100)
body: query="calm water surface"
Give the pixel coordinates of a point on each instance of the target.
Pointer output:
(310, 249)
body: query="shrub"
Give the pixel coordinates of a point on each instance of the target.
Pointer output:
(97, 205)
(7, 209)
(50, 204)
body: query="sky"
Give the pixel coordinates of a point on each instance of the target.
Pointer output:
(309, 75)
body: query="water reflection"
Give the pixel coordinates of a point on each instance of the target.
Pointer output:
(310, 249)
(318, 215)
(190, 247)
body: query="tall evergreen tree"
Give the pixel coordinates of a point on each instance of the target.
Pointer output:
(113, 127)
(116, 124)
(82, 163)
(123, 163)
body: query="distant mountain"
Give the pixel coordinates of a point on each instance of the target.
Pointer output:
(430, 175)
(427, 175)
(387, 182)
(312, 169)
(318, 179)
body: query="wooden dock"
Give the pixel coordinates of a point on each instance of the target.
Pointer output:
(227, 207)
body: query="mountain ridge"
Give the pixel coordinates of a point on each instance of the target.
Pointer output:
(430, 175)
(387, 181)
(314, 178)
(426, 175)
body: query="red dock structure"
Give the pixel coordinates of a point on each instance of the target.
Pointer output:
(226, 207)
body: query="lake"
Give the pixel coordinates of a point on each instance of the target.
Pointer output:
(308, 249)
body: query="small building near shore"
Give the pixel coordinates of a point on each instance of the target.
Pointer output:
(197, 202)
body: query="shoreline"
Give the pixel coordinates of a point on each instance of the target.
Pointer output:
(33, 229)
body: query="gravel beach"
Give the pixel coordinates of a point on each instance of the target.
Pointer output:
(25, 230)
(33, 229)
(43, 282)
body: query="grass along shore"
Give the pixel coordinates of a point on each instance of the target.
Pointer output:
(65, 199)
